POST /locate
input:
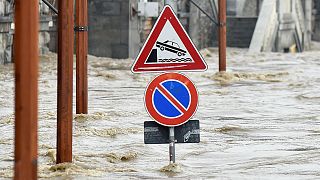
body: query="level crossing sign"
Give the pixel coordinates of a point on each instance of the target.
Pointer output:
(171, 99)
(168, 48)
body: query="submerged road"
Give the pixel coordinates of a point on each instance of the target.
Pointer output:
(260, 120)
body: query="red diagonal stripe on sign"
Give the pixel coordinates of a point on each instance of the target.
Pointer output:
(171, 98)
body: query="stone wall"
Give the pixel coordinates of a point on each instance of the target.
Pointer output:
(109, 28)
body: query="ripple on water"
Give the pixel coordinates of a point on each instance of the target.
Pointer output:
(309, 97)
(7, 120)
(228, 129)
(112, 157)
(232, 77)
(108, 63)
(112, 132)
(6, 173)
(116, 158)
(81, 118)
(68, 169)
(252, 127)
(172, 167)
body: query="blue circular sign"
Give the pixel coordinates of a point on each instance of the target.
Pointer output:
(171, 99)
(174, 106)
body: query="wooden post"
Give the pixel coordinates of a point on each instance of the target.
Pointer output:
(26, 88)
(82, 56)
(222, 35)
(65, 73)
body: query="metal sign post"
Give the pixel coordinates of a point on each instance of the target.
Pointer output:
(172, 150)
(171, 99)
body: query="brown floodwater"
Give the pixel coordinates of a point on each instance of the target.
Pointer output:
(260, 120)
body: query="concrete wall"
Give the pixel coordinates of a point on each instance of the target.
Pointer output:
(53, 31)
(7, 30)
(248, 8)
(231, 7)
(109, 28)
(6, 33)
(201, 29)
(316, 32)
(239, 31)
(265, 32)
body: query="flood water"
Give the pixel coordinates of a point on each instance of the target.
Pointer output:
(261, 120)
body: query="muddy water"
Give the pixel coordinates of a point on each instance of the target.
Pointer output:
(260, 120)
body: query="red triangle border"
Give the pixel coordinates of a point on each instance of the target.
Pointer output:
(140, 66)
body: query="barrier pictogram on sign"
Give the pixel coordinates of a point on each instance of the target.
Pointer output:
(168, 48)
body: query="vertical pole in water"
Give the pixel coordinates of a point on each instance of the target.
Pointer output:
(172, 150)
(172, 153)
(222, 35)
(65, 73)
(308, 22)
(26, 89)
(81, 56)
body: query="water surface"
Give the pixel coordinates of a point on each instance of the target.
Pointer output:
(260, 120)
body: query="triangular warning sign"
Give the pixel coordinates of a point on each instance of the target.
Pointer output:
(168, 48)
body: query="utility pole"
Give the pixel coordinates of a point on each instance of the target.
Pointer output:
(81, 30)
(222, 35)
(65, 73)
(308, 20)
(26, 89)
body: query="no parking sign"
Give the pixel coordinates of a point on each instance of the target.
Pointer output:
(171, 99)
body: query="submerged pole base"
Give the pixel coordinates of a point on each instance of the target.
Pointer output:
(172, 150)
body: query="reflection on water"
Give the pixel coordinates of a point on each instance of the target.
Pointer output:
(260, 119)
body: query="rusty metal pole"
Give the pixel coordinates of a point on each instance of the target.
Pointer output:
(65, 77)
(222, 35)
(26, 89)
(81, 30)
